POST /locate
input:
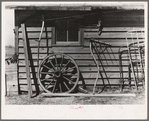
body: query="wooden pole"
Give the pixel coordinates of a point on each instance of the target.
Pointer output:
(16, 31)
(53, 41)
(86, 95)
(26, 59)
(5, 85)
(81, 36)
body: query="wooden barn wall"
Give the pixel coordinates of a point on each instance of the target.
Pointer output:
(115, 27)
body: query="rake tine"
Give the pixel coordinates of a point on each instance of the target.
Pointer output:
(102, 64)
(104, 54)
(103, 69)
(110, 56)
(98, 52)
(105, 73)
(113, 55)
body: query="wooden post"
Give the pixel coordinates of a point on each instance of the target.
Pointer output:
(86, 95)
(26, 59)
(5, 85)
(16, 31)
(82, 36)
(53, 41)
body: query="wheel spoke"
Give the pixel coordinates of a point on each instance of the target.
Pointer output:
(66, 86)
(61, 62)
(65, 65)
(70, 75)
(49, 73)
(54, 86)
(56, 62)
(49, 85)
(52, 64)
(47, 67)
(60, 87)
(47, 80)
(68, 80)
(70, 68)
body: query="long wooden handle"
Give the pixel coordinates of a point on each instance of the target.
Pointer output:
(26, 60)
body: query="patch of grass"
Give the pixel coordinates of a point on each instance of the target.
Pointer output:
(40, 100)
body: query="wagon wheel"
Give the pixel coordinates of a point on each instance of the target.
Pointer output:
(58, 73)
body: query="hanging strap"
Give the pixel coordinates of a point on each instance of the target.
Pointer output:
(41, 30)
(40, 38)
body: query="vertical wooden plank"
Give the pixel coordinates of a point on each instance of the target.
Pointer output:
(81, 36)
(16, 38)
(47, 40)
(53, 41)
(16, 31)
(16, 12)
(26, 59)
(5, 85)
(16, 45)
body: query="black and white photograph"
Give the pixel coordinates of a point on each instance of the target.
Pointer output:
(74, 60)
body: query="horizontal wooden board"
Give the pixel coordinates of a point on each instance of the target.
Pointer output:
(24, 88)
(113, 41)
(77, 56)
(36, 35)
(88, 28)
(34, 42)
(38, 29)
(88, 82)
(114, 29)
(9, 69)
(82, 68)
(81, 63)
(69, 50)
(86, 75)
(111, 35)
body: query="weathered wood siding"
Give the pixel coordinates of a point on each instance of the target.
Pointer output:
(115, 27)
(81, 54)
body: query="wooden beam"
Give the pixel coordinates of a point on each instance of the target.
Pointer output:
(81, 7)
(85, 95)
(49, 8)
(53, 40)
(81, 36)
(16, 31)
(26, 60)
(5, 84)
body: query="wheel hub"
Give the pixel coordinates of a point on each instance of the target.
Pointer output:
(58, 74)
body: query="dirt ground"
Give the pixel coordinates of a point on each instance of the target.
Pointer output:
(41, 100)
(14, 99)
